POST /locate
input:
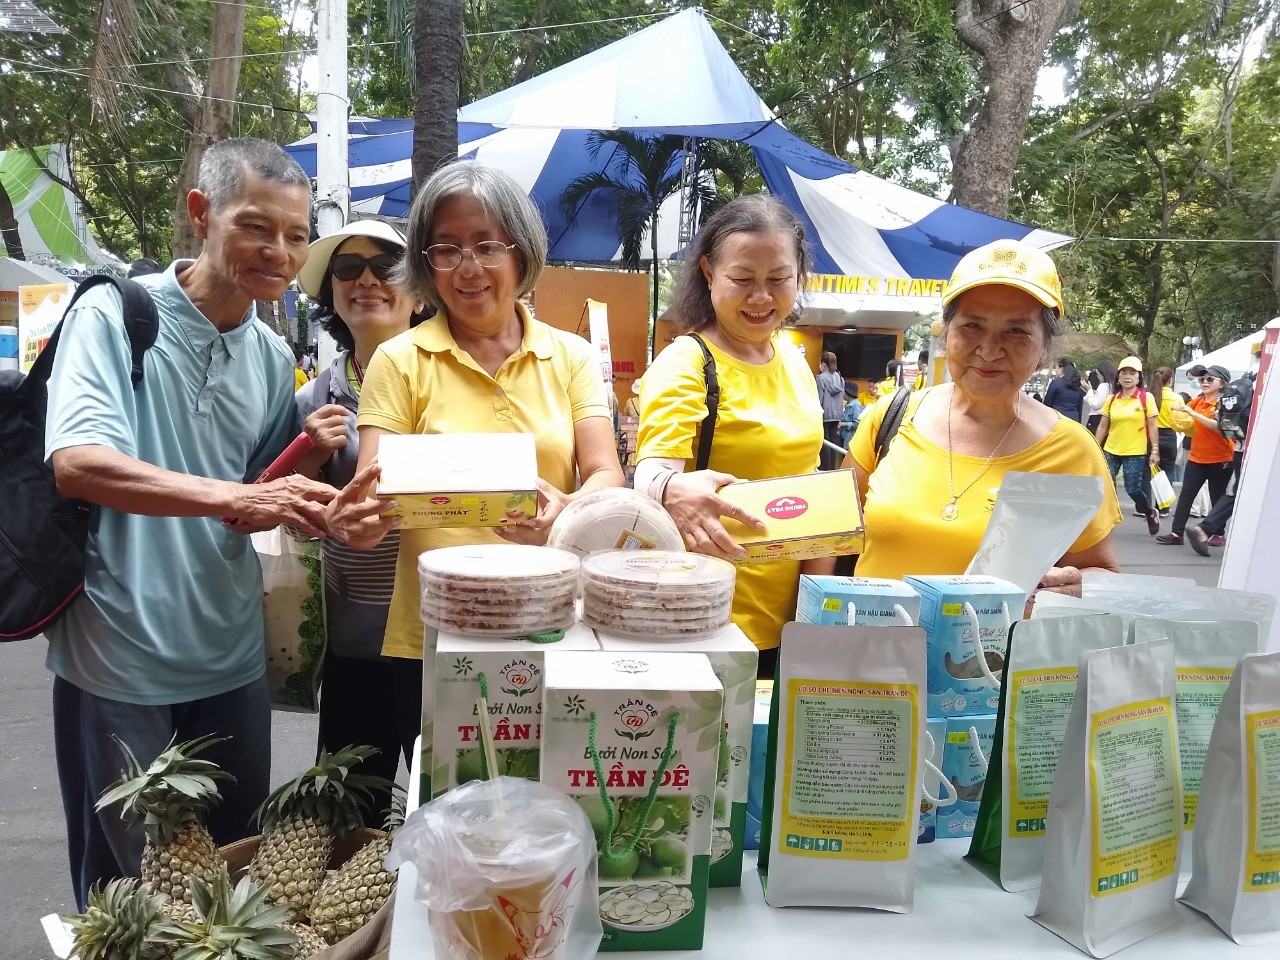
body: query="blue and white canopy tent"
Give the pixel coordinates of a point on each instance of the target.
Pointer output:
(676, 78)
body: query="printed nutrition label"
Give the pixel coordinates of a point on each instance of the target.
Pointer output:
(1262, 740)
(1135, 788)
(1040, 704)
(1200, 693)
(850, 776)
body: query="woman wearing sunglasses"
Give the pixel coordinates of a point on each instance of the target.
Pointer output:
(482, 364)
(348, 277)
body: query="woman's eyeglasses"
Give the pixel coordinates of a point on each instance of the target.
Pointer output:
(487, 253)
(351, 266)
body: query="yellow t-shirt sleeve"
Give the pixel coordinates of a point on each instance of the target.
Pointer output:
(386, 396)
(586, 385)
(862, 447)
(673, 402)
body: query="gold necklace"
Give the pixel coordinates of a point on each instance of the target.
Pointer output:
(951, 511)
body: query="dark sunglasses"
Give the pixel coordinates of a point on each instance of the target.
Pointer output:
(351, 266)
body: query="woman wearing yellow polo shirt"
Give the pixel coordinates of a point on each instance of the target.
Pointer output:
(482, 364)
(928, 499)
(739, 284)
(1127, 432)
(1167, 420)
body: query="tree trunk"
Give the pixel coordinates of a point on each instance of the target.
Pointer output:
(217, 111)
(1010, 36)
(9, 227)
(437, 48)
(533, 39)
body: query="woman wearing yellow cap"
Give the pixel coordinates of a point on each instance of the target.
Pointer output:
(1129, 438)
(935, 484)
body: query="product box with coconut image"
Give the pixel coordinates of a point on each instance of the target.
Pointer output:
(734, 659)
(807, 516)
(966, 621)
(634, 738)
(459, 479)
(512, 672)
(965, 757)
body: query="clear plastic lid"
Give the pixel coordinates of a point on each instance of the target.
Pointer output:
(487, 562)
(680, 572)
(615, 518)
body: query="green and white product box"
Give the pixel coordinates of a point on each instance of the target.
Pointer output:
(653, 890)
(855, 601)
(427, 730)
(513, 671)
(734, 659)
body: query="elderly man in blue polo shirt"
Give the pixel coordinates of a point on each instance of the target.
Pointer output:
(166, 639)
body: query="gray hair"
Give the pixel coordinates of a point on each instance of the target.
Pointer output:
(225, 163)
(500, 196)
(1050, 321)
(691, 307)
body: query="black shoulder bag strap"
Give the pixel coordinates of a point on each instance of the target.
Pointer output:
(892, 421)
(141, 322)
(708, 428)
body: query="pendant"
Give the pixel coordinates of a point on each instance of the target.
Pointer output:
(950, 511)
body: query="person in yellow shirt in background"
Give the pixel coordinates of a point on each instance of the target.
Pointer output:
(1127, 432)
(741, 281)
(928, 498)
(892, 378)
(475, 244)
(869, 394)
(1168, 421)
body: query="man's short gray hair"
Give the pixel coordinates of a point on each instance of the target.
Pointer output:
(500, 196)
(225, 163)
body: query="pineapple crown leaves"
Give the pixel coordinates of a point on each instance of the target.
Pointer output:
(122, 919)
(172, 792)
(329, 792)
(395, 814)
(233, 924)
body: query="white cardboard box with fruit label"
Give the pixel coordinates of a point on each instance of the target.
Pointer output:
(607, 721)
(513, 674)
(734, 659)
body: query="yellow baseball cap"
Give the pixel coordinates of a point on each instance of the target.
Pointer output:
(1012, 263)
(1130, 363)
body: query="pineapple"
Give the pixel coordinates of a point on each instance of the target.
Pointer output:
(120, 923)
(300, 821)
(230, 924)
(348, 900)
(168, 799)
(309, 942)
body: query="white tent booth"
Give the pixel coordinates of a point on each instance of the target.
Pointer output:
(676, 78)
(1239, 358)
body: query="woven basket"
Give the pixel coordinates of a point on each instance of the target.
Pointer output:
(368, 943)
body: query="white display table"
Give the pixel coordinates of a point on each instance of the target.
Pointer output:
(960, 914)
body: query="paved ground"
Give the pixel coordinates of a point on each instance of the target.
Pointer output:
(33, 881)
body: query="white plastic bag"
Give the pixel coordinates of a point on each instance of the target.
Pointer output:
(843, 815)
(506, 868)
(1056, 506)
(1235, 871)
(1162, 489)
(293, 622)
(1115, 812)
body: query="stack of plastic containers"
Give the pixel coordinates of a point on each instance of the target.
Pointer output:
(656, 594)
(615, 518)
(498, 589)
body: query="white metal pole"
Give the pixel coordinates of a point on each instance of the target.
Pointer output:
(333, 192)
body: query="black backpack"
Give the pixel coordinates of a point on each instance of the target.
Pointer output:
(42, 533)
(1234, 403)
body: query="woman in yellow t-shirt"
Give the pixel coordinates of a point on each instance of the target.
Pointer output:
(1167, 420)
(927, 500)
(739, 284)
(1127, 432)
(482, 364)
